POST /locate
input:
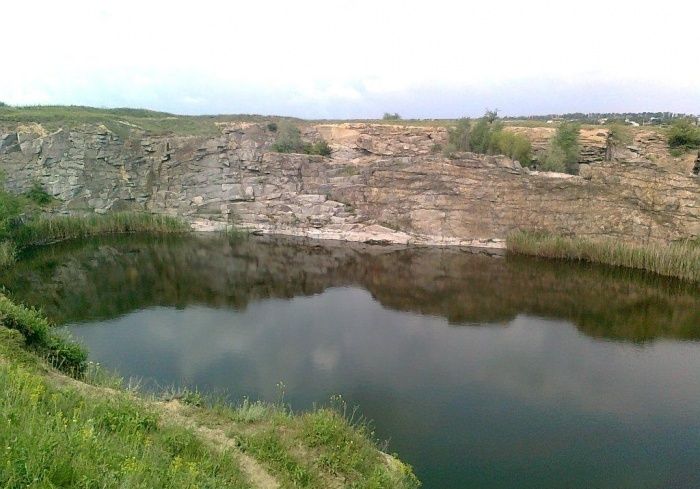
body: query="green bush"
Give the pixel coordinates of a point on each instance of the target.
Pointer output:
(391, 117)
(563, 152)
(320, 148)
(684, 135)
(480, 137)
(554, 160)
(458, 136)
(515, 146)
(487, 136)
(289, 141)
(272, 126)
(620, 135)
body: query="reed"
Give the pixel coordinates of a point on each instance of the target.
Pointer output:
(680, 259)
(49, 229)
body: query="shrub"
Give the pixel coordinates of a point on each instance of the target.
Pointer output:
(288, 140)
(458, 136)
(320, 148)
(488, 136)
(3, 104)
(391, 117)
(620, 135)
(563, 152)
(683, 135)
(480, 136)
(272, 126)
(554, 160)
(515, 146)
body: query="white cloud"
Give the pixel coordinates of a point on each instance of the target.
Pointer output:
(282, 56)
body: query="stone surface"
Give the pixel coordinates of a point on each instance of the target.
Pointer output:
(382, 184)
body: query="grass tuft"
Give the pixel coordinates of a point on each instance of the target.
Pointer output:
(681, 259)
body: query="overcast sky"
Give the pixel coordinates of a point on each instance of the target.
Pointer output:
(352, 59)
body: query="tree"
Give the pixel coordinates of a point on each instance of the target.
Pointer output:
(391, 117)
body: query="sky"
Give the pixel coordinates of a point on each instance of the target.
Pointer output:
(354, 59)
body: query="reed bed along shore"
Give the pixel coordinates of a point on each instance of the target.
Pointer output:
(681, 259)
(49, 229)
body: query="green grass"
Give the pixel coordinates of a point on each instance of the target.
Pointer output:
(60, 352)
(348, 448)
(49, 229)
(267, 447)
(51, 437)
(680, 259)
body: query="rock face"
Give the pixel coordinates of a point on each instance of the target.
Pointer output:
(382, 184)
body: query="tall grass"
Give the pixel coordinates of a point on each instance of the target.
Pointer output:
(8, 250)
(680, 259)
(43, 229)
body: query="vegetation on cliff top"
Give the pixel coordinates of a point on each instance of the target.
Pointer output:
(289, 141)
(683, 136)
(487, 136)
(680, 259)
(563, 152)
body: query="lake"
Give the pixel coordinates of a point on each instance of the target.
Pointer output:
(481, 371)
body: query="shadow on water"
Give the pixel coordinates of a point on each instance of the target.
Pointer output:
(107, 277)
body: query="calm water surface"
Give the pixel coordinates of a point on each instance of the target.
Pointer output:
(481, 371)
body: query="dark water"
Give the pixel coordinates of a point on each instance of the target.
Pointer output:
(483, 372)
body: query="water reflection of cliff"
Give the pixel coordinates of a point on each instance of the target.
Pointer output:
(105, 278)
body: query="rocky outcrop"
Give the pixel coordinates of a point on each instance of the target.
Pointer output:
(382, 183)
